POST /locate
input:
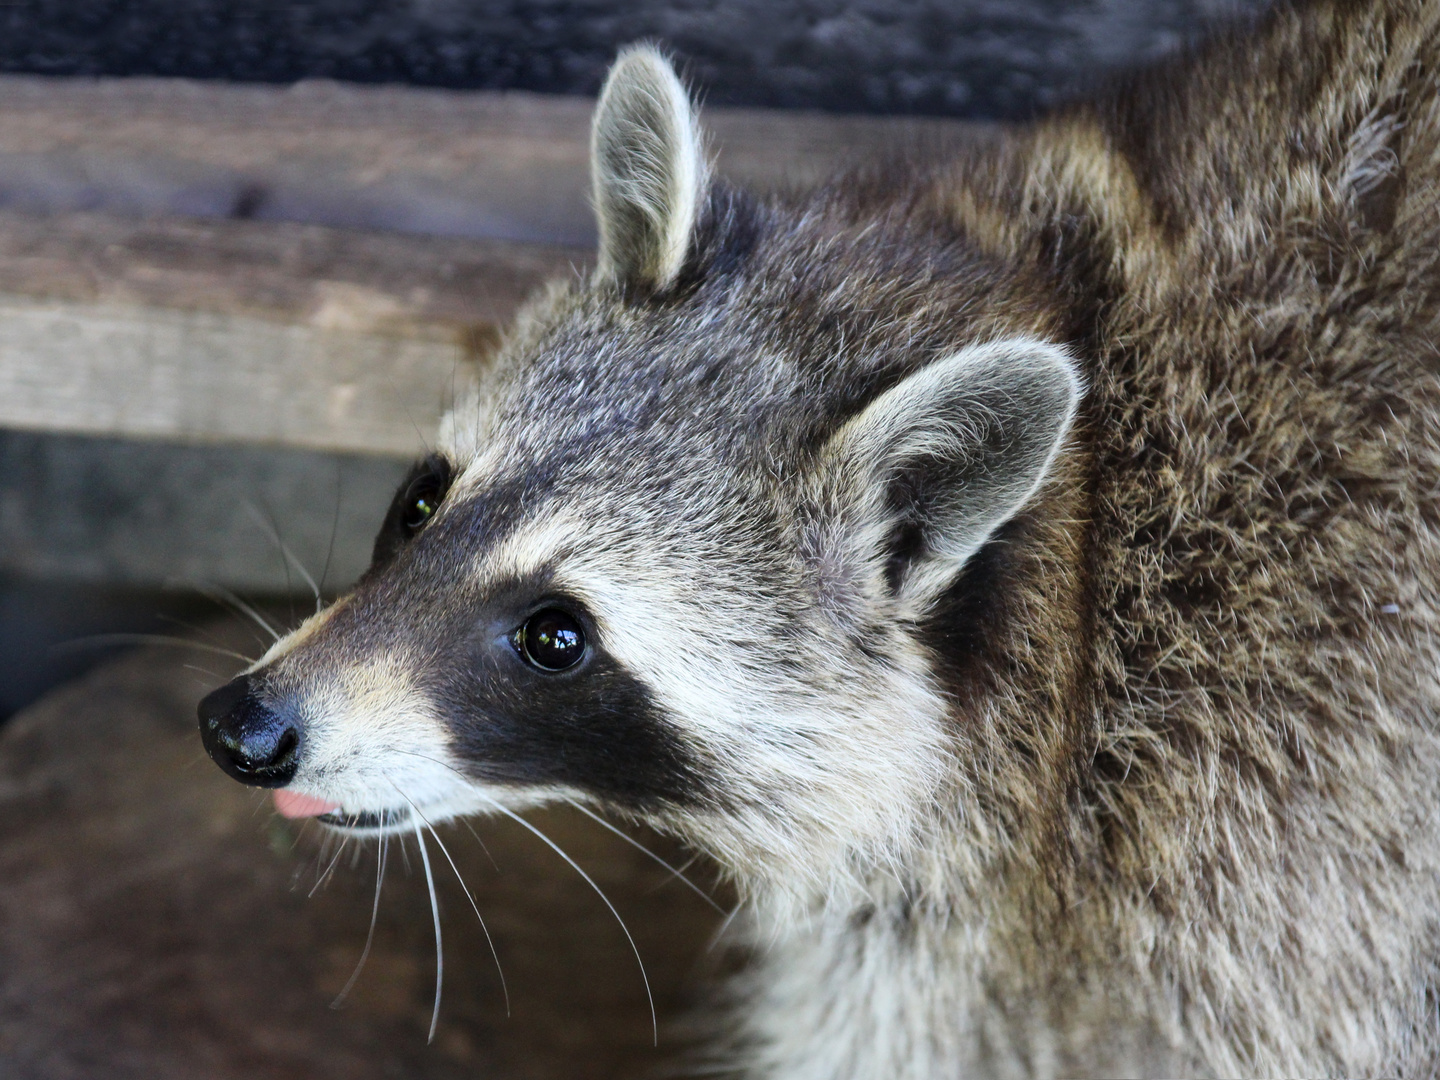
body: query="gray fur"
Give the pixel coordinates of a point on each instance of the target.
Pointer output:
(1120, 756)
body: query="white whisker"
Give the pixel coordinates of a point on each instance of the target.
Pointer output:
(99, 641)
(194, 632)
(483, 848)
(267, 522)
(439, 946)
(374, 915)
(468, 895)
(329, 869)
(654, 1020)
(719, 934)
(299, 833)
(225, 598)
(334, 528)
(642, 848)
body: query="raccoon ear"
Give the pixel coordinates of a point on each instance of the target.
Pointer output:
(648, 171)
(933, 466)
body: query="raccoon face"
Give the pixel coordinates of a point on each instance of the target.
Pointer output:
(674, 558)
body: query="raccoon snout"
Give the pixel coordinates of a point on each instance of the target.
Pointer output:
(247, 738)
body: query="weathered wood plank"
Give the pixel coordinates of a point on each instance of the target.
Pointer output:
(373, 281)
(110, 369)
(248, 331)
(262, 330)
(508, 165)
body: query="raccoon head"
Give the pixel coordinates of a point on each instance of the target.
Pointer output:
(675, 558)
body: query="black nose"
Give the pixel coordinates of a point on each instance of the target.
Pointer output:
(247, 738)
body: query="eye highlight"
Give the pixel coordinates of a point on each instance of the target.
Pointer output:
(422, 498)
(421, 503)
(551, 640)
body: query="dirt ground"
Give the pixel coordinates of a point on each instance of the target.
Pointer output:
(157, 920)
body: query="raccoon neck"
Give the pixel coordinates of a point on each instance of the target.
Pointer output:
(1005, 852)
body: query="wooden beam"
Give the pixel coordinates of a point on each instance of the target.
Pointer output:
(248, 331)
(511, 165)
(200, 307)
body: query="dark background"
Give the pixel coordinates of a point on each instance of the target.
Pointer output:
(970, 58)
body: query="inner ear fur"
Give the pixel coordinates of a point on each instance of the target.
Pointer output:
(933, 466)
(649, 173)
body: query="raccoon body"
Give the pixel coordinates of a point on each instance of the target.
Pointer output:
(1016, 567)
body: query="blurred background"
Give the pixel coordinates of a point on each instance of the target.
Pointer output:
(250, 251)
(971, 58)
(250, 248)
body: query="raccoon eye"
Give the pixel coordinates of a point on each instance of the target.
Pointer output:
(420, 508)
(422, 498)
(416, 501)
(550, 640)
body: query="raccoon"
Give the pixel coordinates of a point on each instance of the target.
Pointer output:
(1015, 565)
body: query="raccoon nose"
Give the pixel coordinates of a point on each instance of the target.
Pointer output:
(247, 738)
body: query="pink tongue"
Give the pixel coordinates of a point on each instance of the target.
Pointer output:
(294, 805)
